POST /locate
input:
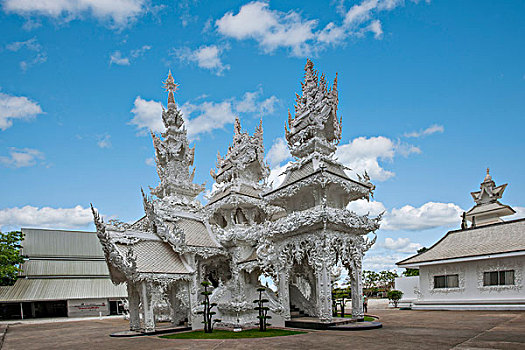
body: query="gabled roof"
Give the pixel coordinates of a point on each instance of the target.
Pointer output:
(196, 233)
(242, 189)
(155, 257)
(505, 237)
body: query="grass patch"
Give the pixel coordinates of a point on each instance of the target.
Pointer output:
(223, 334)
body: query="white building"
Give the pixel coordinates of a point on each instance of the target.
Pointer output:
(298, 234)
(477, 267)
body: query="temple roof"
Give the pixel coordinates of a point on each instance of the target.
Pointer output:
(315, 126)
(329, 170)
(196, 233)
(241, 189)
(485, 240)
(155, 257)
(488, 209)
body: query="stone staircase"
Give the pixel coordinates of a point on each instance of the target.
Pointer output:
(295, 312)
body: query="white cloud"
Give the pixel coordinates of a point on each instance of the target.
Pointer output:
(363, 207)
(38, 54)
(425, 132)
(147, 116)
(203, 117)
(427, 216)
(150, 161)
(376, 28)
(104, 141)
(277, 175)
(273, 29)
(118, 58)
(381, 262)
(278, 153)
(402, 245)
(250, 103)
(270, 28)
(207, 116)
(207, 57)
(118, 12)
(16, 107)
(21, 157)
(46, 217)
(364, 154)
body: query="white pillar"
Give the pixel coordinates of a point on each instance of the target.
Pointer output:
(176, 306)
(357, 289)
(147, 308)
(324, 294)
(284, 292)
(134, 305)
(193, 292)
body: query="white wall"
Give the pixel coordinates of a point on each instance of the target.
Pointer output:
(407, 285)
(471, 294)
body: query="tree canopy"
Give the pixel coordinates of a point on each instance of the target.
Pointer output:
(10, 258)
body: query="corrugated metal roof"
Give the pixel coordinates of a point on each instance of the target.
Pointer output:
(56, 243)
(196, 233)
(483, 240)
(3, 291)
(63, 289)
(65, 268)
(155, 257)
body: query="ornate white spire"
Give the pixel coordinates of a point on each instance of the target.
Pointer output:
(173, 153)
(315, 126)
(244, 160)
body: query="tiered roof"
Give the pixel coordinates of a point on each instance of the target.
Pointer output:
(313, 134)
(488, 209)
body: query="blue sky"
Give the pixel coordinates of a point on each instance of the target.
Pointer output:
(431, 93)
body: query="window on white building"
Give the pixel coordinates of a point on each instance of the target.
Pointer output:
(498, 278)
(446, 281)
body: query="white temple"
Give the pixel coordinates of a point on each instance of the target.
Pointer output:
(297, 234)
(478, 267)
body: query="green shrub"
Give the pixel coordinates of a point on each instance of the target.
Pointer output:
(394, 296)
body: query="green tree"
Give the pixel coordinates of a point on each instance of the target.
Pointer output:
(411, 272)
(10, 258)
(339, 298)
(370, 281)
(387, 279)
(263, 310)
(207, 306)
(395, 296)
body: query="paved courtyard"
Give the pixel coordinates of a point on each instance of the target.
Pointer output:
(401, 330)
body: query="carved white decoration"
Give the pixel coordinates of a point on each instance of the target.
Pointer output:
(441, 270)
(500, 265)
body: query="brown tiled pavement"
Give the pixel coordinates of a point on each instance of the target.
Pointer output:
(401, 330)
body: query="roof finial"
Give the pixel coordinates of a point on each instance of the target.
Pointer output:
(487, 177)
(170, 86)
(237, 126)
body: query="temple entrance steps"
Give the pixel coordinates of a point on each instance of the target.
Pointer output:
(295, 312)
